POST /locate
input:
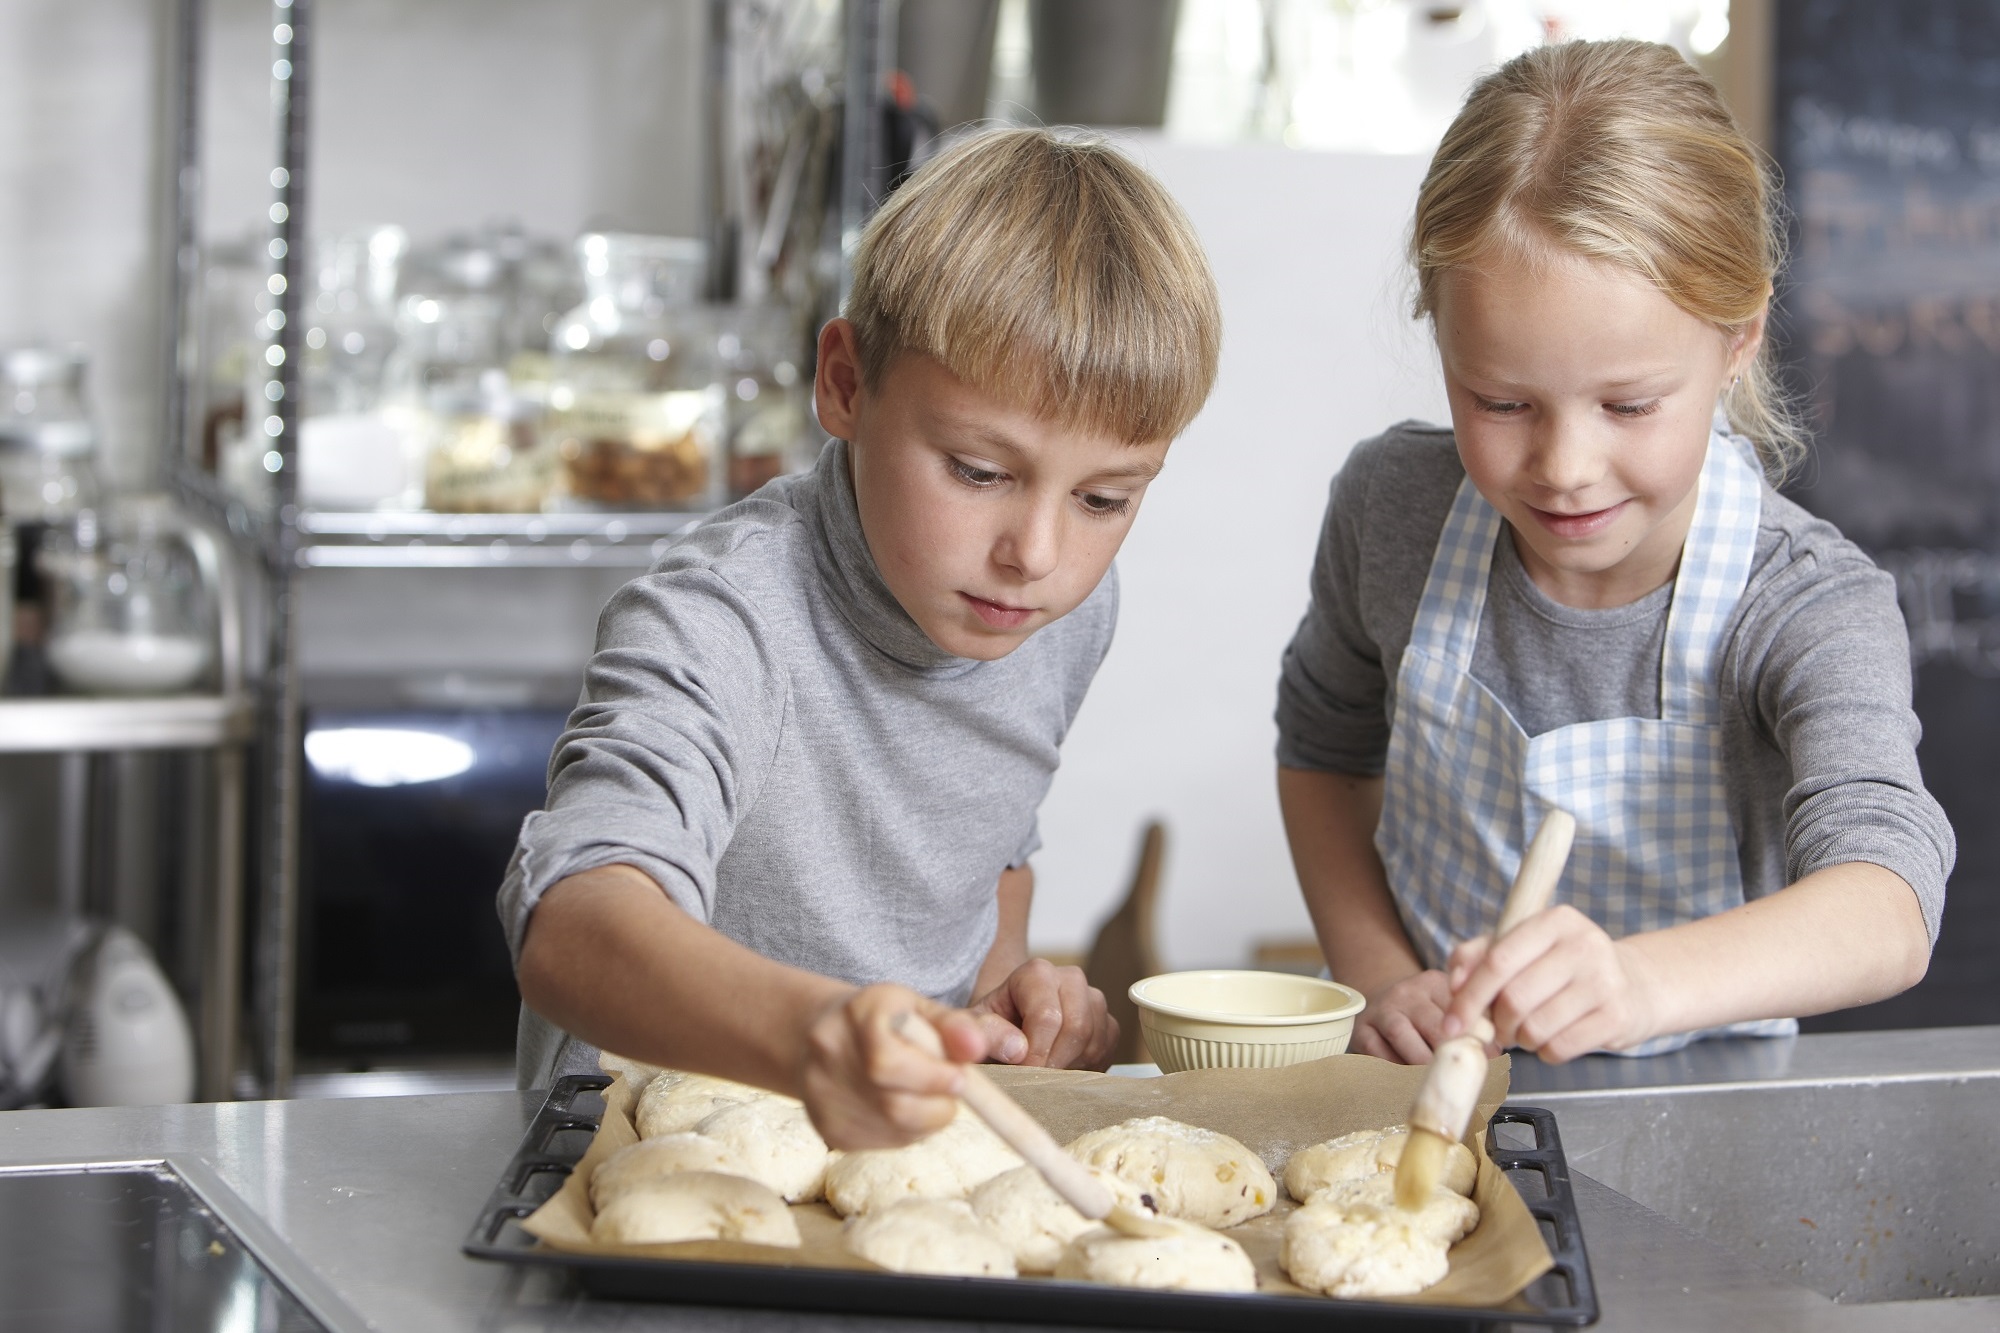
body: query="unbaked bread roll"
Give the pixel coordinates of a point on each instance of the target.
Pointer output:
(950, 1164)
(1190, 1172)
(1192, 1259)
(637, 1072)
(654, 1159)
(939, 1236)
(696, 1205)
(1447, 1215)
(773, 1141)
(677, 1101)
(1023, 1209)
(1343, 1251)
(1367, 1152)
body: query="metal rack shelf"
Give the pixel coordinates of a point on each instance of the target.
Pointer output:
(175, 722)
(406, 540)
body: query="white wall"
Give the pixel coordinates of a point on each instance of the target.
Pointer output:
(1317, 353)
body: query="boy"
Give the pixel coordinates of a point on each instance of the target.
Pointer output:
(798, 798)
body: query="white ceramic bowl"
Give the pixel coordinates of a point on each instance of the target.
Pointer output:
(1249, 1020)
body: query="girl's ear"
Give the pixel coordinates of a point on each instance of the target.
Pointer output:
(837, 380)
(1747, 341)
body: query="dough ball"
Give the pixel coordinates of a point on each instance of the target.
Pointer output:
(940, 1236)
(1365, 1153)
(1191, 1173)
(1343, 1251)
(1025, 1211)
(950, 1164)
(1192, 1259)
(1446, 1216)
(678, 1101)
(637, 1072)
(697, 1205)
(772, 1140)
(650, 1160)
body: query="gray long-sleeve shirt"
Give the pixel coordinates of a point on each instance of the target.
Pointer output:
(767, 734)
(1818, 737)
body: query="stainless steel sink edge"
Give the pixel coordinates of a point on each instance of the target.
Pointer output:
(257, 1236)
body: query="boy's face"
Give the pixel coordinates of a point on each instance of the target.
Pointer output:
(986, 521)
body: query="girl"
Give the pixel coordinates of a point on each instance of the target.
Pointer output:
(1587, 595)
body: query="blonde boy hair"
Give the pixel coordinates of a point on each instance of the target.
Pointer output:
(1624, 152)
(1048, 271)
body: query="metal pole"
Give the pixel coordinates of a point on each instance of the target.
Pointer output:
(860, 127)
(277, 945)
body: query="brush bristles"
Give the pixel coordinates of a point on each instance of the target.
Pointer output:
(1420, 1169)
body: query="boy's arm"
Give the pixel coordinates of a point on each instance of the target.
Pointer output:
(1330, 821)
(609, 957)
(1033, 1012)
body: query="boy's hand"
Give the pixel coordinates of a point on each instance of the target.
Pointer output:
(1404, 1022)
(869, 1085)
(1558, 985)
(1047, 1015)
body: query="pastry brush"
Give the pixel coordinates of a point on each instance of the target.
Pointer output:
(1458, 1066)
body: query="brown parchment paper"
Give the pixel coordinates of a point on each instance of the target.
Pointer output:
(1274, 1112)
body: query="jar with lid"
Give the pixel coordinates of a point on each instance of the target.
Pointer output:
(635, 406)
(128, 611)
(48, 446)
(351, 456)
(758, 350)
(48, 468)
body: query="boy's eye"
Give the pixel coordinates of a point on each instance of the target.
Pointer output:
(1499, 409)
(1106, 505)
(970, 475)
(1634, 409)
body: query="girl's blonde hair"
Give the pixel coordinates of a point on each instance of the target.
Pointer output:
(1049, 271)
(1624, 152)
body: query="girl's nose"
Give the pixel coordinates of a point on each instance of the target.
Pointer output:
(1031, 543)
(1566, 457)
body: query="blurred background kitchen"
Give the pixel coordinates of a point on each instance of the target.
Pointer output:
(354, 354)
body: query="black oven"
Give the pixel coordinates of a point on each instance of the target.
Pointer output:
(409, 817)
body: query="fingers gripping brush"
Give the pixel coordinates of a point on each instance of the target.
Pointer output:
(1458, 1066)
(1025, 1135)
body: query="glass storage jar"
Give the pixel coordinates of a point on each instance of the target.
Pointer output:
(635, 407)
(128, 611)
(47, 443)
(758, 350)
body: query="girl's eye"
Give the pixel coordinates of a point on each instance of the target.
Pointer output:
(1500, 409)
(1104, 505)
(970, 475)
(1634, 409)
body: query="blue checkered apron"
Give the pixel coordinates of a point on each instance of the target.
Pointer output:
(1466, 786)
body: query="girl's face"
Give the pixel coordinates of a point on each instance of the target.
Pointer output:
(1581, 398)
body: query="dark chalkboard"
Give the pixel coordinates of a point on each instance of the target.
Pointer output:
(1888, 133)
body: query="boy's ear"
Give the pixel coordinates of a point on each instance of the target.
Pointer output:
(837, 380)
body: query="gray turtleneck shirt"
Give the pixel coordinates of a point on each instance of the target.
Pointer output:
(767, 734)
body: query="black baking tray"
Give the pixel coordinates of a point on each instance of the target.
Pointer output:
(562, 1130)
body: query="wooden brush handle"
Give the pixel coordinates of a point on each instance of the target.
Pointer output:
(1025, 1135)
(1021, 1131)
(1458, 1067)
(1541, 866)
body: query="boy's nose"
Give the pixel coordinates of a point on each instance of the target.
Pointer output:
(1031, 543)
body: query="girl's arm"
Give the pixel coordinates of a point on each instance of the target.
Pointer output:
(1559, 986)
(1330, 821)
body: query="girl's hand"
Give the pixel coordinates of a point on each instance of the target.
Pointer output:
(1405, 1021)
(875, 1077)
(1557, 985)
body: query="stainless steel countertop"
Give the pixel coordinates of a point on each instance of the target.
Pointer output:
(375, 1195)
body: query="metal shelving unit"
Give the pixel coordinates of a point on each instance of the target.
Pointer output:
(401, 540)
